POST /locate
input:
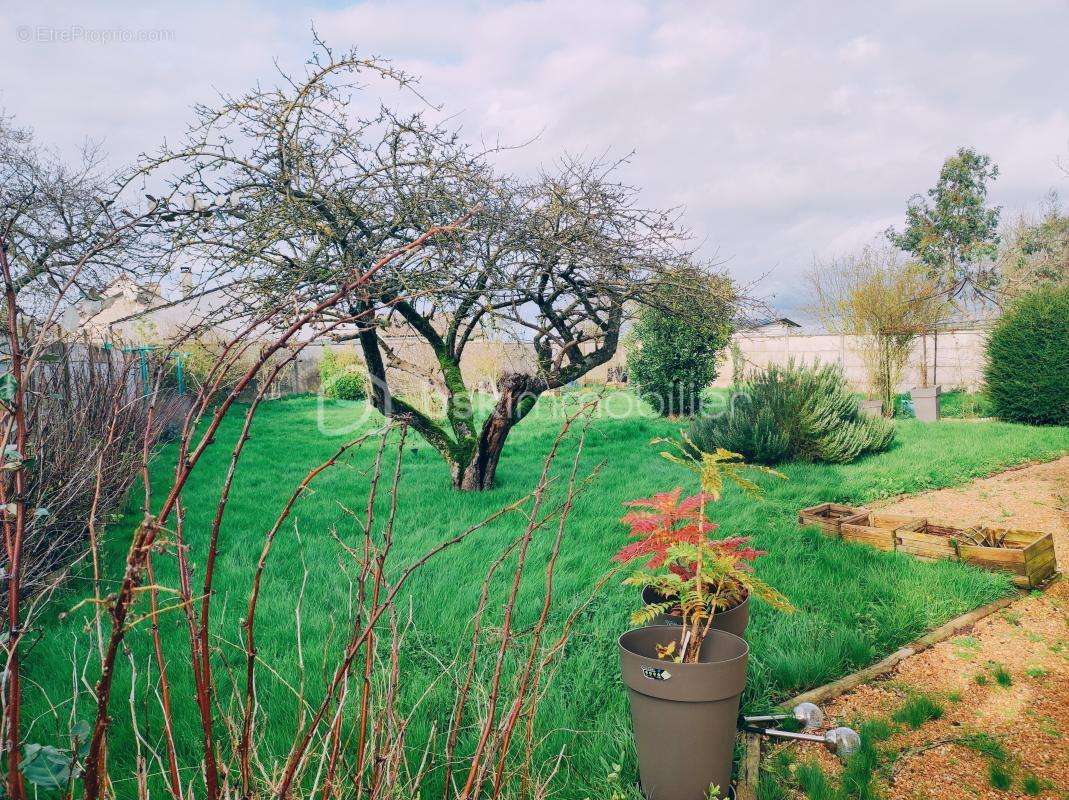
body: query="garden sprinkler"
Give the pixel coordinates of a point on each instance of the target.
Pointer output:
(808, 714)
(841, 741)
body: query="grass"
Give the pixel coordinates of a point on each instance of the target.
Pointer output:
(986, 745)
(858, 779)
(917, 710)
(964, 405)
(1032, 785)
(1002, 676)
(854, 604)
(999, 776)
(1000, 768)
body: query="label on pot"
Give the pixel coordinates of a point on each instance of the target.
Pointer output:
(656, 673)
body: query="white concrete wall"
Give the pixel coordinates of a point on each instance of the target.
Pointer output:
(959, 364)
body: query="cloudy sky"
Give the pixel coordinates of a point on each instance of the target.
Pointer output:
(787, 131)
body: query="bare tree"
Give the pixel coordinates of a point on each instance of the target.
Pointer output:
(66, 233)
(294, 187)
(63, 236)
(886, 304)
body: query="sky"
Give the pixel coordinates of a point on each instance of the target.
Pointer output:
(789, 132)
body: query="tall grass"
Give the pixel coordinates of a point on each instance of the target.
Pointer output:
(854, 604)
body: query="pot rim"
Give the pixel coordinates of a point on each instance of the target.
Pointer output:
(729, 610)
(674, 629)
(926, 391)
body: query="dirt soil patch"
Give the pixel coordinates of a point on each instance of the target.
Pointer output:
(1005, 681)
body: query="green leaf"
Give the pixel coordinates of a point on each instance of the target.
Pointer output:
(80, 735)
(46, 767)
(8, 387)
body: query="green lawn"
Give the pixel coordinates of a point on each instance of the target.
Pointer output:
(854, 604)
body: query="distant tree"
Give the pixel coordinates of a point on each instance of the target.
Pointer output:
(678, 340)
(65, 233)
(885, 304)
(953, 231)
(1034, 251)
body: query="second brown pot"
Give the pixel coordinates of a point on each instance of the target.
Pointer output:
(684, 715)
(733, 620)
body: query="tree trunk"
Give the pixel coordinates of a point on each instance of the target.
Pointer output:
(517, 395)
(924, 360)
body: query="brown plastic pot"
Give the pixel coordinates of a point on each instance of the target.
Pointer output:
(683, 715)
(733, 620)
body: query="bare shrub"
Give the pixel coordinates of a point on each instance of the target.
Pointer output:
(88, 422)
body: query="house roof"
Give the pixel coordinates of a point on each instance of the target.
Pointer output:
(748, 323)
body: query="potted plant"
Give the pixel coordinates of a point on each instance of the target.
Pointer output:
(663, 520)
(684, 681)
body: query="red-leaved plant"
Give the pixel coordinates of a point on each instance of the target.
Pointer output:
(696, 576)
(664, 520)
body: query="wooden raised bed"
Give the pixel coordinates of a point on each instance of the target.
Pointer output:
(877, 529)
(930, 541)
(829, 516)
(1027, 555)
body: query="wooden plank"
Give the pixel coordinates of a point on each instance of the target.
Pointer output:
(930, 552)
(997, 558)
(942, 633)
(895, 521)
(829, 516)
(1039, 569)
(880, 538)
(1018, 537)
(1040, 547)
(925, 545)
(749, 768)
(821, 694)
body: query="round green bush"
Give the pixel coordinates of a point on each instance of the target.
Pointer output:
(341, 376)
(348, 385)
(676, 358)
(1027, 365)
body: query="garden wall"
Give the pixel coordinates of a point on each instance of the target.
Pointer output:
(958, 356)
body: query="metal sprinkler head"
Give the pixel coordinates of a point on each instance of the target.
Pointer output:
(809, 715)
(842, 741)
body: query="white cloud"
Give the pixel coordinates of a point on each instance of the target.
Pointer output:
(860, 49)
(785, 132)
